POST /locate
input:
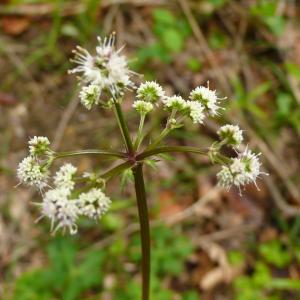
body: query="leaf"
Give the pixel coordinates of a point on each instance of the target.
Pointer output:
(172, 40)
(164, 16)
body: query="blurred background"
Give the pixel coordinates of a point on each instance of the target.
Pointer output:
(207, 243)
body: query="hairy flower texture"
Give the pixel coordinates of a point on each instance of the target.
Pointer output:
(232, 134)
(243, 169)
(94, 203)
(90, 95)
(150, 91)
(107, 68)
(208, 98)
(195, 111)
(142, 107)
(64, 177)
(60, 210)
(175, 102)
(39, 145)
(31, 173)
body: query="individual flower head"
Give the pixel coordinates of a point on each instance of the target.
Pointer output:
(142, 107)
(39, 145)
(93, 204)
(150, 91)
(175, 103)
(231, 134)
(31, 173)
(90, 95)
(195, 111)
(208, 98)
(107, 68)
(243, 169)
(60, 210)
(64, 177)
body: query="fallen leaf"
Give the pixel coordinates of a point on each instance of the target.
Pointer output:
(14, 25)
(7, 99)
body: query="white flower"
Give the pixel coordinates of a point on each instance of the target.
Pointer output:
(195, 111)
(150, 91)
(60, 210)
(38, 145)
(232, 134)
(175, 102)
(94, 203)
(208, 98)
(30, 172)
(244, 169)
(107, 68)
(142, 107)
(90, 95)
(64, 177)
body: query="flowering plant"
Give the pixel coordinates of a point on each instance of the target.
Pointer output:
(105, 77)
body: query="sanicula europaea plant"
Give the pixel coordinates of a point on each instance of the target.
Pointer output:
(105, 78)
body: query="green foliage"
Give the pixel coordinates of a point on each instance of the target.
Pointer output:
(65, 278)
(274, 253)
(217, 39)
(262, 284)
(171, 33)
(265, 10)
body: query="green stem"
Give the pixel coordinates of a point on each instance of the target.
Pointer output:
(139, 137)
(168, 149)
(123, 128)
(116, 170)
(92, 151)
(144, 228)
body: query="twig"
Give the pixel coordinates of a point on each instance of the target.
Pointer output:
(68, 9)
(65, 119)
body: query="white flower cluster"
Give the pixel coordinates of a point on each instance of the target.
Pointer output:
(202, 101)
(142, 107)
(39, 145)
(106, 71)
(242, 170)
(33, 170)
(207, 98)
(231, 134)
(30, 172)
(93, 204)
(63, 210)
(150, 91)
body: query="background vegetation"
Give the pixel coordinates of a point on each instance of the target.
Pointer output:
(207, 243)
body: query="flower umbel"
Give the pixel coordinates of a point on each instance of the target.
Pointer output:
(175, 102)
(94, 203)
(31, 173)
(90, 95)
(39, 145)
(150, 91)
(64, 177)
(243, 170)
(208, 98)
(196, 111)
(107, 69)
(59, 209)
(142, 107)
(231, 134)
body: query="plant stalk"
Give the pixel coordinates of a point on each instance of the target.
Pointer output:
(144, 228)
(168, 149)
(124, 128)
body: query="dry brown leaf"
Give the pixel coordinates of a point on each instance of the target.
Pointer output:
(14, 25)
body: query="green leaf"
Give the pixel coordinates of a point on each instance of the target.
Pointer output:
(275, 253)
(164, 16)
(172, 40)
